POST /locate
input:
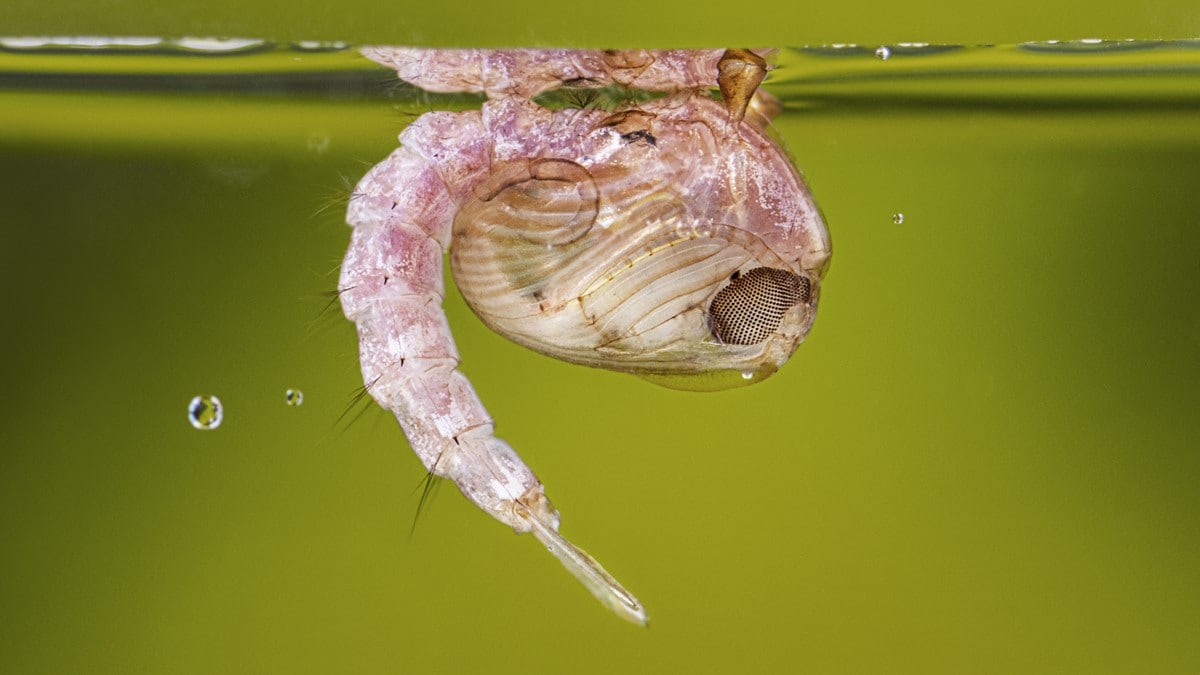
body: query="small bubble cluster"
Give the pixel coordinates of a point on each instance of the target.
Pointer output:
(204, 412)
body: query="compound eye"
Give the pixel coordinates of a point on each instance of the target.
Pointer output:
(750, 309)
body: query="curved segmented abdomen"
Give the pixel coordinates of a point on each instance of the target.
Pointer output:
(391, 288)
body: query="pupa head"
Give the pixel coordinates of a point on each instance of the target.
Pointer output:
(672, 243)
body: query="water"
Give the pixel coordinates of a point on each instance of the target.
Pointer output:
(982, 460)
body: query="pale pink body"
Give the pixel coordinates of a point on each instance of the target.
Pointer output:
(403, 213)
(527, 72)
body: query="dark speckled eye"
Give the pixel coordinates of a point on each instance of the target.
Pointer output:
(750, 309)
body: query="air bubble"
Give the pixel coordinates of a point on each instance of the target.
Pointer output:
(319, 46)
(294, 397)
(747, 374)
(318, 142)
(883, 53)
(79, 43)
(897, 218)
(204, 412)
(211, 45)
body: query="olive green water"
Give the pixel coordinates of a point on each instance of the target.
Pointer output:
(983, 460)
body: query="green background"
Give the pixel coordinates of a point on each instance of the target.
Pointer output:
(984, 458)
(612, 23)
